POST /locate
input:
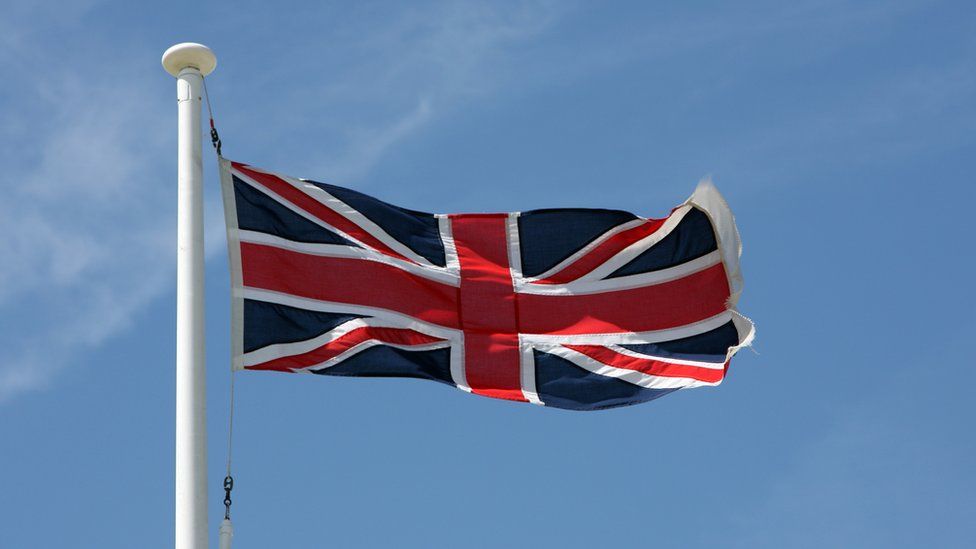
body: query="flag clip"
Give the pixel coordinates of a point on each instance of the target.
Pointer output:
(228, 484)
(214, 137)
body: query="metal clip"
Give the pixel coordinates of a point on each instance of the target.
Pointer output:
(228, 486)
(215, 140)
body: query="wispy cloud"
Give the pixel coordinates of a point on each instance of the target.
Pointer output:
(391, 77)
(367, 145)
(87, 245)
(89, 209)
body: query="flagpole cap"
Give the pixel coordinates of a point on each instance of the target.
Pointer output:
(189, 55)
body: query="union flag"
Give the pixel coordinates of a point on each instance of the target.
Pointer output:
(570, 308)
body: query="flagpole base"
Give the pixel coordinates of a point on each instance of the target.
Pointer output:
(189, 55)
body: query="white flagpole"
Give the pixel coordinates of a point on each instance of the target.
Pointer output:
(189, 63)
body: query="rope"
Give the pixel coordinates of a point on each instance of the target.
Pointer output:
(214, 136)
(229, 479)
(230, 425)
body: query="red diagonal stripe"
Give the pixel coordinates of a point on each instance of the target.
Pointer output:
(289, 192)
(650, 366)
(603, 252)
(345, 280)
(694, 297)
(396, 336)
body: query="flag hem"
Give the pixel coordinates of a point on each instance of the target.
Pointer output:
(708, 199)
(234, 261)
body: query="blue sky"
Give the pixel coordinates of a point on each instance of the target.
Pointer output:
(842, 134)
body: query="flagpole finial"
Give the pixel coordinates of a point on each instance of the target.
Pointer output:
(189, 54)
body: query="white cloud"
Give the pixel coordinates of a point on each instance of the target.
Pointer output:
(90, 206)
(367, 145)
(390, 77)
(87, 211)
(88, 243)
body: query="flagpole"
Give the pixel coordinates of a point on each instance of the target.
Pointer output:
(189, 63)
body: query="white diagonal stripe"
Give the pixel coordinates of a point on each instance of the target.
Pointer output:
(586, 286)
(280, 350)
(337, 206)
(631, 376)
(366, 345)
(630, 252)
(697, 363)
(339, 250)
(630, 338)
(355, 216)
(399, 319)
(588, 248)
